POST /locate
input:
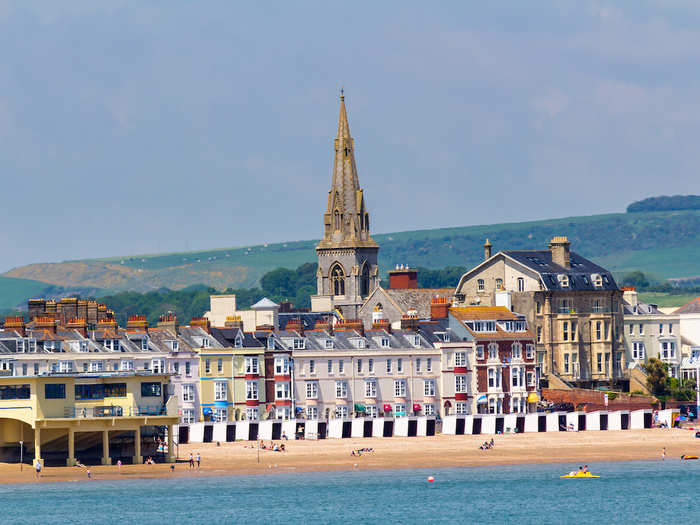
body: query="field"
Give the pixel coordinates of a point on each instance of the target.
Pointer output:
(662, 244)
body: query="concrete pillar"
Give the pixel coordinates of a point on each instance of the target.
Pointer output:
(170, 458)
(70, 461)
(37, 446)
(106, 460)
(138, 458)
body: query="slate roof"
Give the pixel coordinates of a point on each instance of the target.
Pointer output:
(540, 261)
(641, 309)
(693, 307)
(418, 299)
(264, 303)
(308, 319)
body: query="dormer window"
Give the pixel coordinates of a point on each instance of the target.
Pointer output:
(597, 280)
(360, 343)
(329, 343)
(299, 344)
(20, 346)
(206, 342)
(144, 343)
(270, 343)
(385, 342)
(563, 280)
(416, 340)
(174, 346)
(83, 346)
(238, 342)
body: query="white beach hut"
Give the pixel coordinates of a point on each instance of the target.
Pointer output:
(197, 433)
(219, 433)
(488, 424)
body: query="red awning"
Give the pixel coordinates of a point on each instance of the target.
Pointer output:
(387, 408)
(416, 407)
(448, 404)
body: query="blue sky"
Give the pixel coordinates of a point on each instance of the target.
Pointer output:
(142, 127)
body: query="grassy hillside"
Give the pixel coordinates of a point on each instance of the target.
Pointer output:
(664, 244)
(14, 291)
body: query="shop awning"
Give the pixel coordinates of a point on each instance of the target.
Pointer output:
(387, 408)
(359, 407)
(482, 399)
(448, 404)
(416, 407)
(206, 411)
(532, 398)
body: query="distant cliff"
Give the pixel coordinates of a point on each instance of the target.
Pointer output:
(664, 203)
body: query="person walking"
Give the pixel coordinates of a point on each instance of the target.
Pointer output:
(191, 460)
(663, 454)
(199, 459)
(37, 469)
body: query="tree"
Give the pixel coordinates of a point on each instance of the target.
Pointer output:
(657, 376)
(636, 279)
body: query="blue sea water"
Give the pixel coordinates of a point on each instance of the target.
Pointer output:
(628, 492)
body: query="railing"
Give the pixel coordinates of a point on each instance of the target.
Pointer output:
(114, 411)
(5, 373)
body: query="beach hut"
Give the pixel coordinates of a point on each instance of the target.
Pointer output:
(265, 430)
(618, 420)
(553, 422)
(593, 420)
(242, 428)
(358, 427)
(476, 424)
(335, 428)
(183, 434)
(289, 428)
(572, 420)
(531, 422)
(641, 419)
(401, 427)
(231, 432)
(449, 424)
(510, 422)
(311, 429)
(197, 433)
(469, 425)
(426, 426)
(378, 427)
(488, 424)
(219, 432)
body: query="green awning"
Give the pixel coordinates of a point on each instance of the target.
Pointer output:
(360, 407)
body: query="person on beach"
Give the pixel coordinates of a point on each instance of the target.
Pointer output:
(663, 454)
(89, 474)
(191, 460)
(199, 460)
(284, 435)
(119, 465)
(37, 469)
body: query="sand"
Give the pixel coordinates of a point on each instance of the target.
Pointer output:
(241, 458)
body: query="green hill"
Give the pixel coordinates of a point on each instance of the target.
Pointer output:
(665, 244)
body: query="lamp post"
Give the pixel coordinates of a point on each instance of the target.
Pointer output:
(21, 454)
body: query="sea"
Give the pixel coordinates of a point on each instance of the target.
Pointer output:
(627, 492)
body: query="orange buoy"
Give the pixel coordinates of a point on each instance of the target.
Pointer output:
(430, 479)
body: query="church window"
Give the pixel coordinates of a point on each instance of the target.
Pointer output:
(364, 280)
(338, 280)
(367, 221)
(336, 220)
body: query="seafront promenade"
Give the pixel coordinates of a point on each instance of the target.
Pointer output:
(244, 458)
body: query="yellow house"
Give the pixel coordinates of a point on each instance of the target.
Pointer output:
(46, 409)
(232, 381)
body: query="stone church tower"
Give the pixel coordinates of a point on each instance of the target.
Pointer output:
(347, 254)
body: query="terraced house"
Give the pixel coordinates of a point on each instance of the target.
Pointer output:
(573, 305)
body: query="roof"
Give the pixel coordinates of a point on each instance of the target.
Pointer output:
(264, 303)
(641, 309)
(693, 307)
(484, 313)
(540, 261)
(418, 299)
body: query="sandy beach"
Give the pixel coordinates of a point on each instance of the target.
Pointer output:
(391, 453)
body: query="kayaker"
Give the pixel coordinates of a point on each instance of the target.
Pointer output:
(585, 469)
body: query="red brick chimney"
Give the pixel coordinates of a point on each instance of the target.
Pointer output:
(168, 321)
(350, 324)
(324, 324)
(45, 323)
(403, 277)
(79, 325)
(439, 307)
(409, 322)
(137, 323)
(201, 322)
(16, 324)
(295, 325)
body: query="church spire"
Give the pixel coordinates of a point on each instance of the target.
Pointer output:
(346, 221)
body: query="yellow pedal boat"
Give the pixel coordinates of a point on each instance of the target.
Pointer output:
(579, 475)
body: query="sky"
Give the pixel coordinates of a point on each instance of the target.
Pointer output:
(147, 127)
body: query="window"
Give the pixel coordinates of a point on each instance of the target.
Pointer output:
(341, 389)
(219, 366)
(311, 412)
(150, 390)
(283, 390)
(312, 366)
(220, 414)
(480, 352)
(499, 284)
(429, 409)
(566, 363)
(188, 392)
(399, 409)
(220, 391)
(539, 334)
(311, 390)
(517, 351)
(341, 411)
(89, 391)
(538, 306)
(429, 364)
(631, 329)
(530, 379)
(176, 368)
(460, 359)
(187, 368)
(126, 365)
(668, 350)
(115, 390)
(96, 366)
(83, 346)
(388, 366)
(461, 408)
(599, 330)
(494, 378)
(661, 328)
(238, 342)
(517, 377)
(251, 390)
(565, 330)
(359, 366)
(144, 343)
(24, 369)
(370, 366)
(399, 365)
(187, 415)
(599, 362)
(341, 366)
(330, 366)
(399, 388)
(207, 366)
(597, 280)
(480, 285)
(641, 329)
(36, 369)
(493, 351)
(299, 344)
(670, 328)
(65, 367)
(158, 366)
(530, 351)
(329, 344)
(429, 387)
(174, 346)
(337, 279)
(371, 411)
(461, 384)
(573, 330)
(252, 365)
(416, 340)
(521, 284)
(418, 363)
(281, 366)
(370, 389)
(14, 392)
(385, 342)
(638, 350)
(55, 391)
(206, 342)
(252, 414)
(85, 367)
